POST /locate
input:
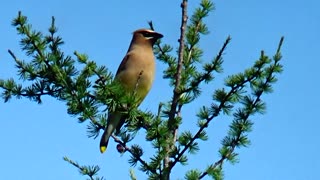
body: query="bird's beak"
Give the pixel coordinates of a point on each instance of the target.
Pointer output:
(157, 35)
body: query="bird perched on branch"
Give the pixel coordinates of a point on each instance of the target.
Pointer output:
(135, 74)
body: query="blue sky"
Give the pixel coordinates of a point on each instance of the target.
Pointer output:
(285, 141)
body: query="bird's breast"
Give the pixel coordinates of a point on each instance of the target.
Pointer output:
(138, 75)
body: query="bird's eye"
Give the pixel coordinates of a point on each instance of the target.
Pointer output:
(147, 34)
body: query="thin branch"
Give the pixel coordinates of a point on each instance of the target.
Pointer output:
(215, 114)
(82, 169)
(12, 55)
(117, 140)
(237, 139)
(254, 104)
(100, 78)
(196, 31)
(176, 91)
(137, 84)
(36, 94)
(159, 110)
(92, 119)
(202, 78)
(27, 33)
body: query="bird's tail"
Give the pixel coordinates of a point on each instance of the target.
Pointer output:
(104, 141)
(113, 121)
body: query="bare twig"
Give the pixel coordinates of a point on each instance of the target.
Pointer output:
(12, 54)
(159, 110)
(137, 83)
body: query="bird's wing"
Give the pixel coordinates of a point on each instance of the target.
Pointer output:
(123, 64)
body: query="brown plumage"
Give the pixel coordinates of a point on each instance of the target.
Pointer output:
(135, 74)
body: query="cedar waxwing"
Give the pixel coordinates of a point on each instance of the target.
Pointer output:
(135, 74)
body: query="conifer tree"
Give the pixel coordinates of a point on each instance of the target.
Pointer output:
(89, 94)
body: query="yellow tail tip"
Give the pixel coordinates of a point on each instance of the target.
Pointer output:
(103, 149)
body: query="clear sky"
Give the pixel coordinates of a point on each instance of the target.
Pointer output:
(285, 141)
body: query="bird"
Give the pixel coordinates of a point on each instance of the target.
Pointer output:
(135, 74)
